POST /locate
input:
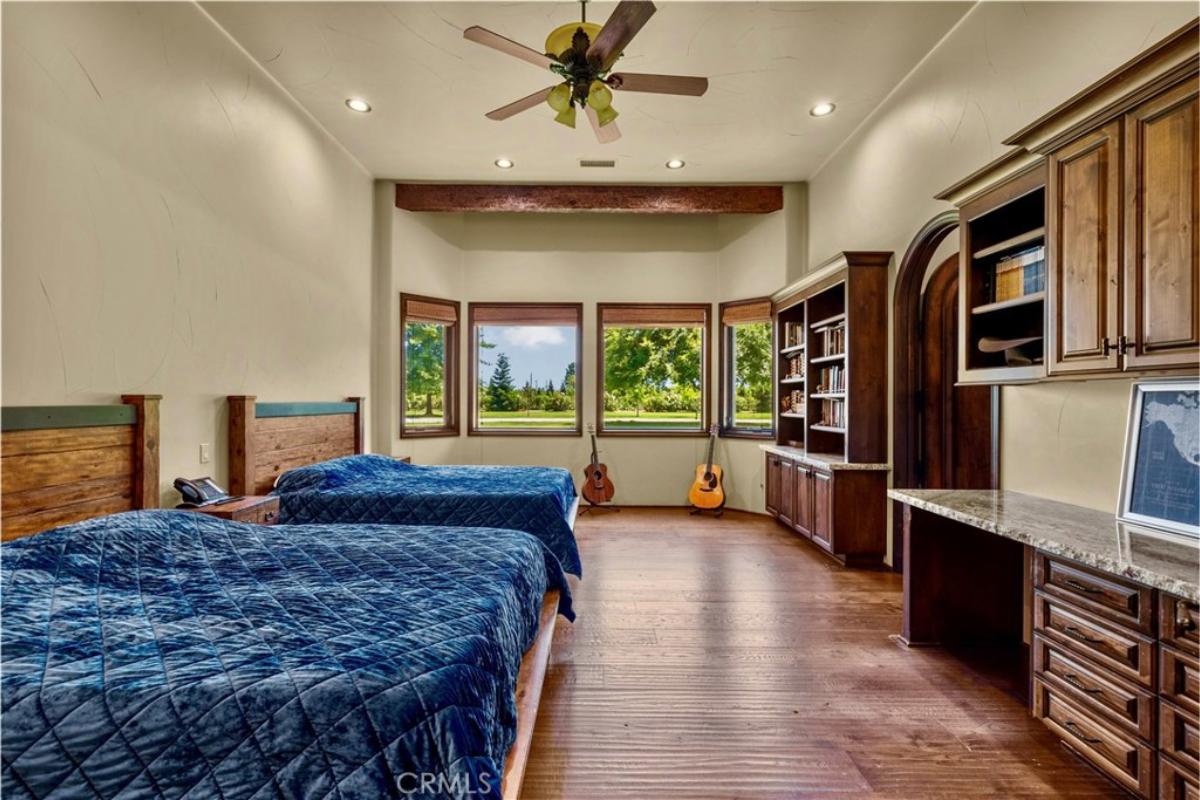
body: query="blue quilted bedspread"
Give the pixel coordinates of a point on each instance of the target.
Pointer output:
(378, 489)
(169, 654)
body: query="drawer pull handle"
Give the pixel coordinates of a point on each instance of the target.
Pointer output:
(1183, 620)
(1073, 679)
(1082, 587)
(1078, 731)
(270, 515)
(1078, 634)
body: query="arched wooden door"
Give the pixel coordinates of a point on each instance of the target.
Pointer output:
(955, 422)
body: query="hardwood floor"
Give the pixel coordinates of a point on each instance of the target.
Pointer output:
(728, 659)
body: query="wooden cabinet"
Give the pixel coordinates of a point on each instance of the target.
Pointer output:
(774, 487)
(787, 491)
(802, 521)
(822, 509)
(1121, 211)
(1083, 195)
(841, 509)
(1162, 231)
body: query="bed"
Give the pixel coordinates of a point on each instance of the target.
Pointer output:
(154, 653)
(165, 653)
(309, 455)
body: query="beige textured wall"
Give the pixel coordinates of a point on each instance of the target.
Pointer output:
(1001, 67)
(586, 258)
(173, 223)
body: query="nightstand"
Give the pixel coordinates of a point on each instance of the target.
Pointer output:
(260, 509)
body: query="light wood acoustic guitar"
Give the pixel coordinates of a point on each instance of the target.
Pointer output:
(597, 486)
(707, 493)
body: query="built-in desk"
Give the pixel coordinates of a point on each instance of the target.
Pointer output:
(1106, 615)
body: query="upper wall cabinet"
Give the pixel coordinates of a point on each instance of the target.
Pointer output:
(1162, 231)
(1083, 196)
(1122, 238)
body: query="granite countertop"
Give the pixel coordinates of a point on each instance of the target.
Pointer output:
(1091, 537)
(829, 461)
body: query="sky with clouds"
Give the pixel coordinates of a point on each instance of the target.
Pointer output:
(543, 350)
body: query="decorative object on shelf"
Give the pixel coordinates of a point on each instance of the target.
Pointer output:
(707, 493)
(1160, 480)
(1019, 352)
(583, 55)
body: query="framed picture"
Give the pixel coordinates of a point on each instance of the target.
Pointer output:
(1160, 480)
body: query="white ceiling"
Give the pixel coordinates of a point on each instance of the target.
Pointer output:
(768, 63)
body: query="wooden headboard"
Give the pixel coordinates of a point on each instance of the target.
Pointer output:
(268, 439)
(63, 464)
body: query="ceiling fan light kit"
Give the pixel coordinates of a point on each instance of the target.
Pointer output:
(583, 54)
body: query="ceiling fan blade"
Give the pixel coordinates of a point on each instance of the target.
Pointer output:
(609, 133)
(618, 32)
(505, 45)
(659, 84)
(517, 106)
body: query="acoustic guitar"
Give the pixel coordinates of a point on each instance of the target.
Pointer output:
(707, 493)
(597, 487)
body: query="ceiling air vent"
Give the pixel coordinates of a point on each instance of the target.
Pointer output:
(593, 162)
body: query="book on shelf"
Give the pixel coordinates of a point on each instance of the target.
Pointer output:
(1019, 274)
(792, 402)
(833, 413)
(831, 379)
(794, 367)
(833, 340)
(793, 334)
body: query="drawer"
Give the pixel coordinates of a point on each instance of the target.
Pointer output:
(1175, 782)
(1102, 594)
(1179, 678)
(1122, 651)
(1119, 755)
(1095, 689)
(1179, 623)
(1179, 735)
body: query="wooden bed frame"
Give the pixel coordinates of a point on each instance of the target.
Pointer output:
(268, 439)
(64, 464)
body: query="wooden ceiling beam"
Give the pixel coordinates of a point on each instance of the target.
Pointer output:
(626, 199)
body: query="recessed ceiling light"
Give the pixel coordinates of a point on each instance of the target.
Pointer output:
(504, 163)
(358, 104)
(675, 163)
(822, 109)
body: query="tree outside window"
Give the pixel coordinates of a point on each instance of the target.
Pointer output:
(428, 378)
(654, 368)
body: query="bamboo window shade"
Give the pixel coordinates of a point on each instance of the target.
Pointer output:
(654, 316)
(747, 312)
(441, 312)
(532, 314)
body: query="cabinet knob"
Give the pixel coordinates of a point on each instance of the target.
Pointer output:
(1106, 347)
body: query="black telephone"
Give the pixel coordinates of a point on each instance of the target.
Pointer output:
(201, 492)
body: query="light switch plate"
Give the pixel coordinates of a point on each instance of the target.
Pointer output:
(205, 453)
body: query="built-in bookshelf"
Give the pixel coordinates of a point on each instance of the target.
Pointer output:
(792, 375)
(831, 363)
(1003, 271)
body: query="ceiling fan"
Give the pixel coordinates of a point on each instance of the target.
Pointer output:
(583, 55)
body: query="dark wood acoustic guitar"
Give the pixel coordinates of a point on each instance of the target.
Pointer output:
(707, 492)
(597, 486)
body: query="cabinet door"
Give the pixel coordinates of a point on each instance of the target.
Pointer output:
(787, 490)
(1162, 232)
(822, 509)
(773, 487)
(803, 518)
(1083, 207)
